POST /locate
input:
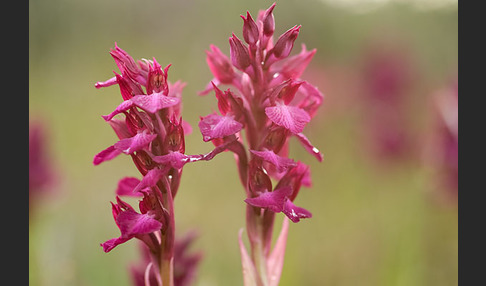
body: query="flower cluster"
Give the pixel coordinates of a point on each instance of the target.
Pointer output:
(268, 103)
(152, 134)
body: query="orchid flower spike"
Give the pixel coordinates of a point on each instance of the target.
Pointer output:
(266, 103)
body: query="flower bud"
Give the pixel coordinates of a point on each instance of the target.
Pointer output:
(239, 53)
(250, 30)
(223, 103)
(285, 43)
(268, 21)
(125, 62)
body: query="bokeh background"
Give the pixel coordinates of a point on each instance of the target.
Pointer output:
(381, 213)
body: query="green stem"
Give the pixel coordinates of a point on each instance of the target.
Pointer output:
(258, 255)
(167, 272)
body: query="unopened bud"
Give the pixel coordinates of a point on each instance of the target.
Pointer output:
(269, 21)
(223, 103)
(239, 53)
(250, 29)
(285, 43)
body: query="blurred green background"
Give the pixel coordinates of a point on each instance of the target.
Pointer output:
(374, 223)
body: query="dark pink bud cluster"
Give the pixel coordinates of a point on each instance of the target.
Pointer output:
(152, 134)
(270, 103)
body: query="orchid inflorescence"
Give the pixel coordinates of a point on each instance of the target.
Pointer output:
(267, 104)
(270, 103)
(152, 133)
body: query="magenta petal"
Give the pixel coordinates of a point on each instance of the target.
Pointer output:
(306, 178)
(274, 201)
(149, 180)
(217, 126)
(120, 128)
(106, 83)
(154, 102)
(290, 117)
(175, 89)
(309, 147)
(209, 87)
(312, 98)
(295, 213)
(220, 65)
(126, 187)
(281, 163)
(175, 159)
(135, 143)
(178, 160)
(294, 66)
(124, 106)
(132, 223)
(105, 155)
(112, 243)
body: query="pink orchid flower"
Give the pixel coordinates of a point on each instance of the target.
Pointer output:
(270, 103)
(151, 132)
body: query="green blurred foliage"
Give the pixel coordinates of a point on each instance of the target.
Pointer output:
(371, 225)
